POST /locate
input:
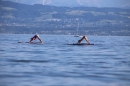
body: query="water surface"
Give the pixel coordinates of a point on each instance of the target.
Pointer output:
(107, 63)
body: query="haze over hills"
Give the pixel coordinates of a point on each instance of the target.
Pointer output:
(72, 3)
(23, 18)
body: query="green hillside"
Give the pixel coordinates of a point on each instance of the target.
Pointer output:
(21, 18)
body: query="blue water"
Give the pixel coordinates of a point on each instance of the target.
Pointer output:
(107, 63)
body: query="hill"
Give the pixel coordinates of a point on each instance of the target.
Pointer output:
(73, 3)
(21, 18)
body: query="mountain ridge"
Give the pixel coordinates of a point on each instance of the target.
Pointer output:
(73, 3)
(23, 18)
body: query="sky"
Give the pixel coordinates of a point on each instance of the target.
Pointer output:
(90, 3)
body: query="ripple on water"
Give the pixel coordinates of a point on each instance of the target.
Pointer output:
(106, 63)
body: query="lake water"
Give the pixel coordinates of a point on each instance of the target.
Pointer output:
(107, 63)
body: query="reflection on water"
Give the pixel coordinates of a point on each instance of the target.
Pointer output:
(54, 63)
